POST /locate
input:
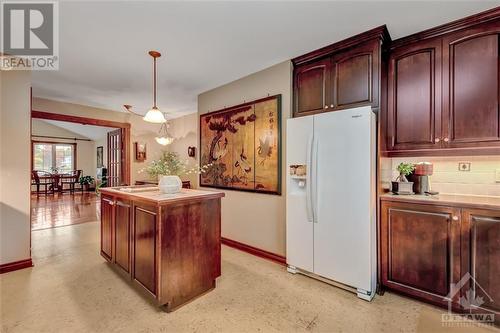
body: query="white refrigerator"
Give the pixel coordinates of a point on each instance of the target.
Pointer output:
(331, 205)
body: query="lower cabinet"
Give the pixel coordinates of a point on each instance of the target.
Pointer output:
(481, 258)
(122, 234)
(144, 247)
(420, 249)
(107, 218)
(442, 254)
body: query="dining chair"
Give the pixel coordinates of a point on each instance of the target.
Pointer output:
(45, 179)
(71, 178)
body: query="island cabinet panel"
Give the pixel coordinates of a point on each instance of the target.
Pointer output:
(481, 257)
(107, 216)
(312, 86)
(420, 247)
(471, 101)
(414, 97)
(122, 234)
(190, 243)
(144, 246)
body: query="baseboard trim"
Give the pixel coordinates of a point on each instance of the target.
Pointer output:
(14, 266)
(279, 259)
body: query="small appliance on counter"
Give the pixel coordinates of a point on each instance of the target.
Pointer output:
(421, 178)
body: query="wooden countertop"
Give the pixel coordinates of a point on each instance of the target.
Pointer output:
(156, 197)
(469, 201)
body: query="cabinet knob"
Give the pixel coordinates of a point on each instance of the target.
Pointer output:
(455, 218)
(436, 140)
(331, 105)
(446, 139)
(326, 106)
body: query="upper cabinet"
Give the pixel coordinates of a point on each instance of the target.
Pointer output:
(443, 90)
(470, 86)
(343, 75)
(414, 96)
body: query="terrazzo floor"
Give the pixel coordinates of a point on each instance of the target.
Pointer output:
(72, 289)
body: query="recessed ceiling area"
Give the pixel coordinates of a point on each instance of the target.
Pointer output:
(103, 60)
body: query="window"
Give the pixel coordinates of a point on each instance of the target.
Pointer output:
(54, 156)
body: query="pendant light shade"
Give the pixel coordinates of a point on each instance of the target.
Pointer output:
(154, 116)
(164, 138)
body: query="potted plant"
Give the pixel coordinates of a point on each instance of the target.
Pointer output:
(86, 181)
(402, 185)
(168, 169)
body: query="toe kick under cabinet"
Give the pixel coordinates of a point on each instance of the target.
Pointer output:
(167, 245)
(428, 244)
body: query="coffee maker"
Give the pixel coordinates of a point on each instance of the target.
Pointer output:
(421, 178)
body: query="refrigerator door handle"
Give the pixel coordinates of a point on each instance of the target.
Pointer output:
(309, 204)
(314, 179)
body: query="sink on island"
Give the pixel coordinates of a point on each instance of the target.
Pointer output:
(166, 244)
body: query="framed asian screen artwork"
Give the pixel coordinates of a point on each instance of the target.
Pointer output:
(241, 147)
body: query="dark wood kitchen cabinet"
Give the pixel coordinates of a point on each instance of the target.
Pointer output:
(420, 249)
(107, 212)
(443, 90)
(169, 246)
(481, 256)
(414, 96)
(471, 87)
(339, 76)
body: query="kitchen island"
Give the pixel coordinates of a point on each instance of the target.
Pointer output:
(166, 244)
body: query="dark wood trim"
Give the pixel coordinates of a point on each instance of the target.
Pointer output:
(126, 165)
(446, 28)
(279, 259)
(479, 151)
(77, 119)
(378, 32)
(14, 266)
(227, 108)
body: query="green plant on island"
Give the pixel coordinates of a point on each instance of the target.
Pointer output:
(169, 164)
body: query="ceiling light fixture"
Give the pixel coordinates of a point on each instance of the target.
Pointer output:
(164, 138)
(154, 115)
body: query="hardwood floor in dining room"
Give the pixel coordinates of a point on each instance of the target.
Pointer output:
(60, 210)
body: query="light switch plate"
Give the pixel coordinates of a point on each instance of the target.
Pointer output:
(497, 175)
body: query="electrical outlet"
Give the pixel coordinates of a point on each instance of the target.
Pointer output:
(464, 166)
(497, 175)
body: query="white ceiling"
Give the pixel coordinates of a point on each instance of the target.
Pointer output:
(86, 131)
(103, 45)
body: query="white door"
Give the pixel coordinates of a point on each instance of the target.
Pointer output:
(344, 205)
(299, 228)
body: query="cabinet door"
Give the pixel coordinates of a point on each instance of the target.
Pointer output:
(420, 249)
(144, 247)
(122, 235)
(471, 87)
(481, 259)
(311, 87)
(355, 76)
(107, 213)
(414, 97)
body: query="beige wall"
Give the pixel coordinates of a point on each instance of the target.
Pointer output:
(250, 218)
(480, 180)
(85, 150)
(15, 166)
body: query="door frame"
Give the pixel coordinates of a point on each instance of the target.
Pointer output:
(126, 165)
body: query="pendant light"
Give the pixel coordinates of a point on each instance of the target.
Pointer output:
(164, 138)
(154, 115)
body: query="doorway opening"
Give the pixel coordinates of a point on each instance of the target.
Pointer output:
(72, 157)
